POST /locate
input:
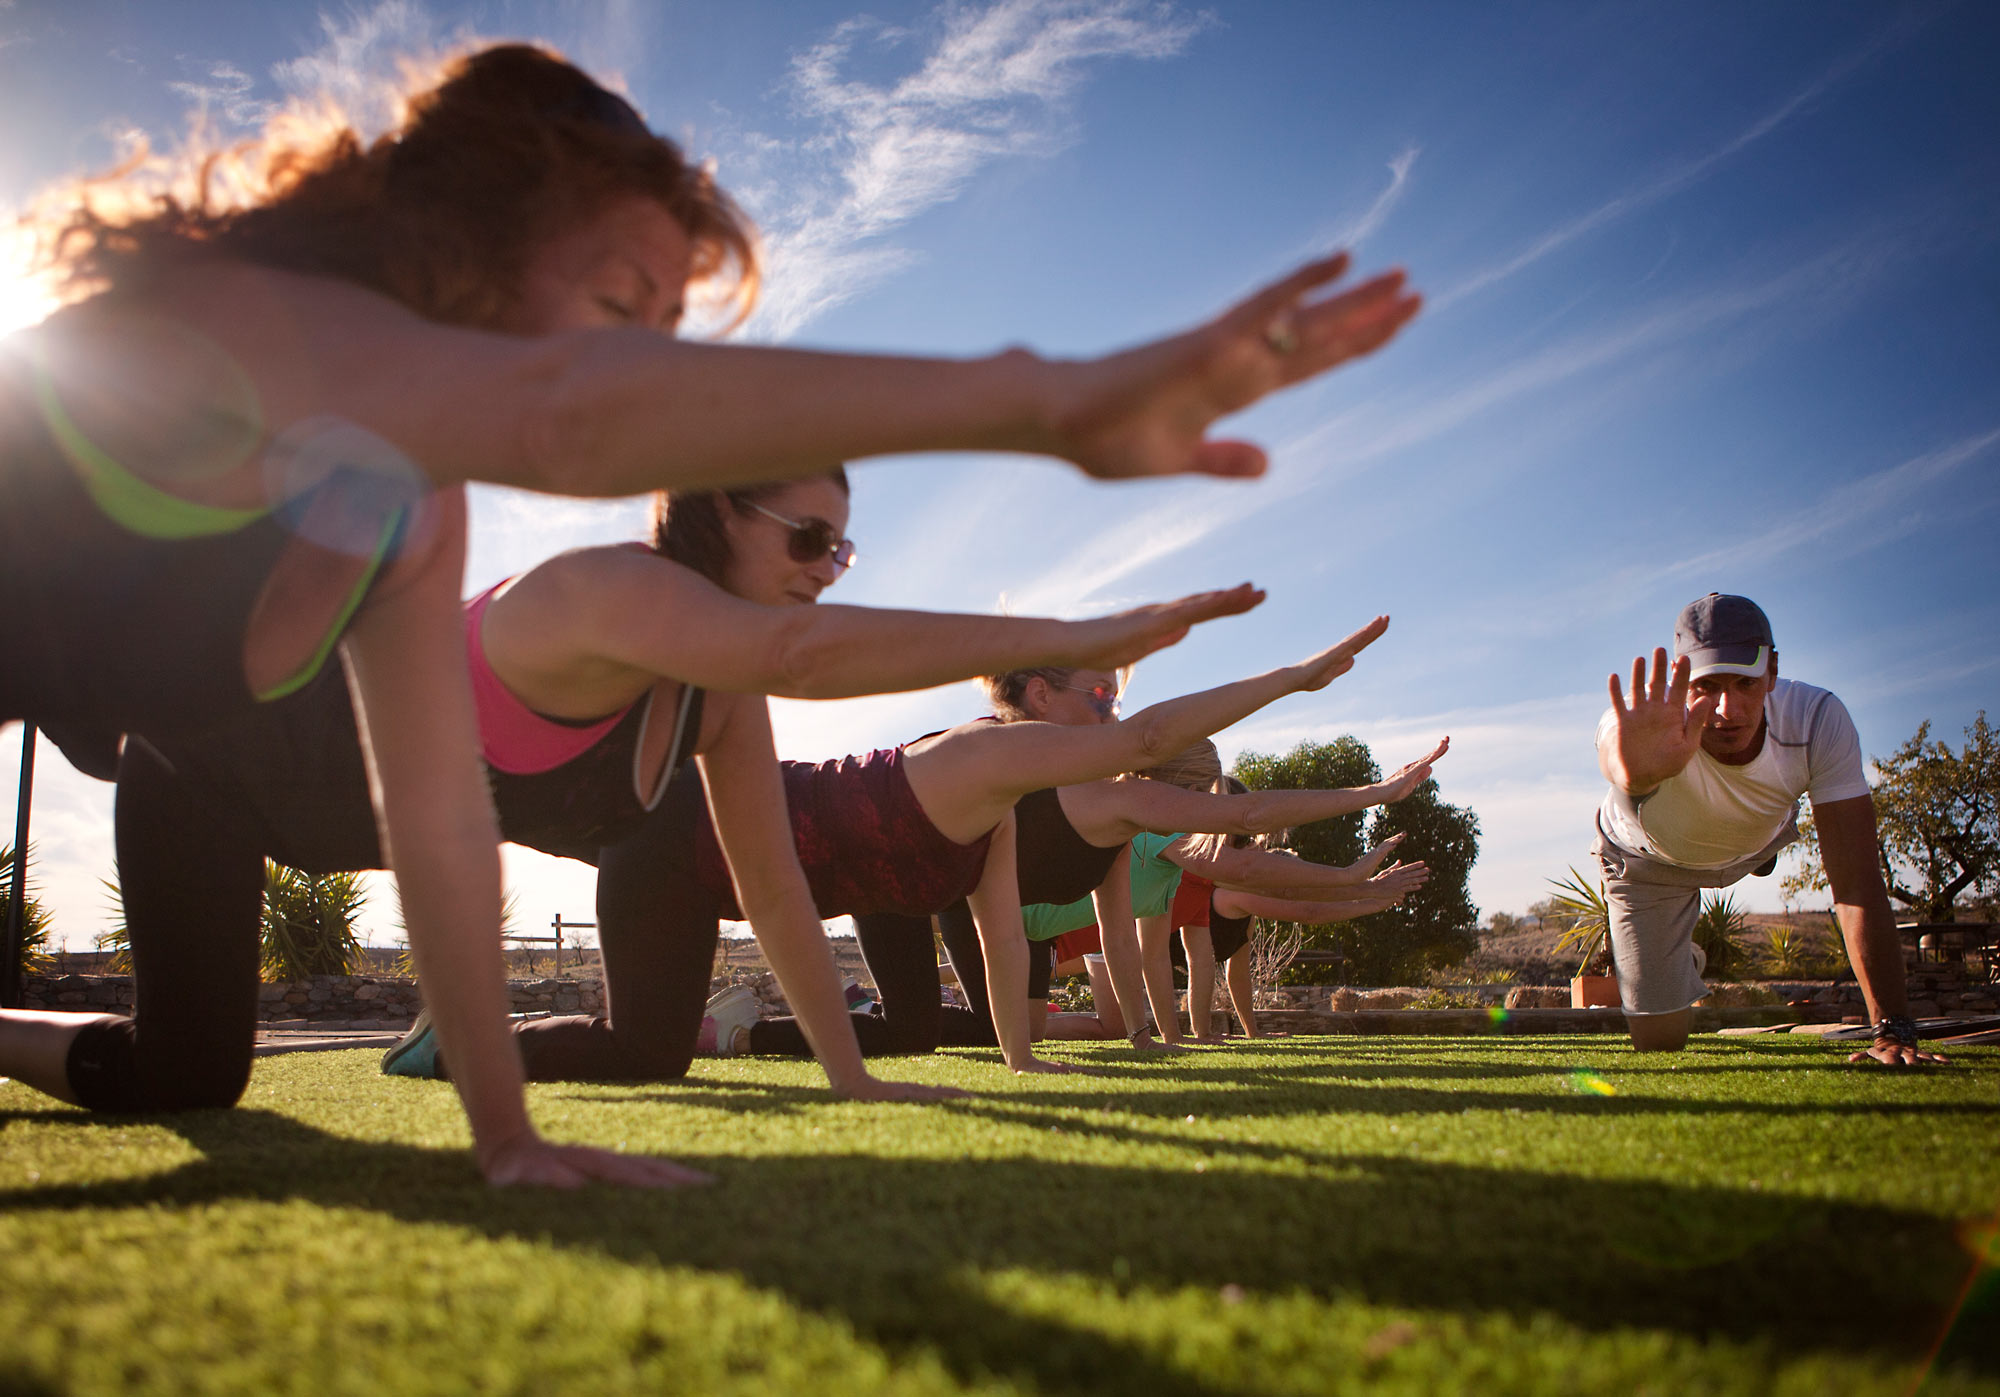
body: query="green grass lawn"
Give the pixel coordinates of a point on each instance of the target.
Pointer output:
(1321, 1215)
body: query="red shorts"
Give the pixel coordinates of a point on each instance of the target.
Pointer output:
(1071, 944)
(1191, 902)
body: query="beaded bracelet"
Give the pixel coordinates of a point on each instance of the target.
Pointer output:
(1899, 1029)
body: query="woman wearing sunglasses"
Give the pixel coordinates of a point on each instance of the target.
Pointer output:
(904, 833)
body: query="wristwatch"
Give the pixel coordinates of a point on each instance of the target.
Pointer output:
(1899, 1029)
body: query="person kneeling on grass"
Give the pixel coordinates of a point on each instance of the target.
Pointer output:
(1706, 770)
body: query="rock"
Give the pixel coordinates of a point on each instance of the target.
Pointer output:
(1343, 1001)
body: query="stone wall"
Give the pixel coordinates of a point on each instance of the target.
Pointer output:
(390, 1002)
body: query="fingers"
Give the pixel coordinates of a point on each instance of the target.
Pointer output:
(1349, 325)
(1618, 696)
(1360, 640)
(1207, 606)
(1262, 305)
(1656, 690)
(1232, 460)
(572, 1166)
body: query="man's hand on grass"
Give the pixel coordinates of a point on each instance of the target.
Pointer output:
(1891, 1054)
(529, 1159)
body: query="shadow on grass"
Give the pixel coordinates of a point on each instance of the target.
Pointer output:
(894, 1247)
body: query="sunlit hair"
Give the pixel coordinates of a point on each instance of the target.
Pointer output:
(514, 146)
(1006, 691)
(1195, 768)
(688, 525)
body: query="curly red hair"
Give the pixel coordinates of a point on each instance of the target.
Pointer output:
(513, 146)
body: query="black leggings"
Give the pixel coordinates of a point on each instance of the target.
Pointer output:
(192, 877)
(910, 1016)
(656, 930)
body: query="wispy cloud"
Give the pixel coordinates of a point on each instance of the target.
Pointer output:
(363, 58)
(1870, 512)
(995, 82)
(1677, 176)
(227, 91)
(1352, 235)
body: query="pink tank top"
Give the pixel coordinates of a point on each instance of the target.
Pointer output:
(512, 736)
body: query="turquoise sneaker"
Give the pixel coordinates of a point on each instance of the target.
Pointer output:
(415, 1054)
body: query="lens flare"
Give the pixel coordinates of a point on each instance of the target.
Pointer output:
(1496, 1015)
(1590, 1084)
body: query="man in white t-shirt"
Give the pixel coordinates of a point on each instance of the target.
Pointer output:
(1706, 770)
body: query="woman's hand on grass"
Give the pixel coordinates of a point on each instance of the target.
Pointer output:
(1043, 1064)
(1147, 411)
(1113, 642)
(871, 1088)
(529, 1159)
(1329, 664)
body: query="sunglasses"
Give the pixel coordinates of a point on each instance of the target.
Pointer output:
(1103, 697)
(812, 539)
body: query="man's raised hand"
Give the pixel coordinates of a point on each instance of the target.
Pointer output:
(1657, 734)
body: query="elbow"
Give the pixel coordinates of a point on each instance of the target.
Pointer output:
(802, 658)
(1254, 814)
(560, 437)
(1147, 738)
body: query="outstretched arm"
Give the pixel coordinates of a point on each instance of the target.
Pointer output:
(621, 411)
(1003, 944)
(1850, 854)
(617, 619)
(1284, 875)
(1384, 890)
(746, 800)
(965, 778)
(1658, 733)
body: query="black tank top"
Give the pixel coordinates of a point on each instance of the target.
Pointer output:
(1057, 865)
(592, 800)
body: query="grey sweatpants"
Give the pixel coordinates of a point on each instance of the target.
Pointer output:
(1654, 908)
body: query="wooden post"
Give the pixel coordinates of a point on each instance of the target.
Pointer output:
(17, 906)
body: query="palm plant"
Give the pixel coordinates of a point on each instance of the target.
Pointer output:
(35, 918)
(1588, 917)
(309, 921)
(1716, 931)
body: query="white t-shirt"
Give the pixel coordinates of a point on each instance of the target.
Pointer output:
(1712, 814)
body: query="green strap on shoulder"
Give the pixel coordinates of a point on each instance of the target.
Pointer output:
(383, 544)
(128, 501)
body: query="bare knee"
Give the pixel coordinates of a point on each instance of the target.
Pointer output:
(1659, 1033)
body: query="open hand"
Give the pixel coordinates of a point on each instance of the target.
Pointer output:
(1896, 1055)
(1112, 642)
(529, 1159)
(1147, 411)
(1398, 881)
(872, 1088)
(1042, 1064)
(1369, 862)
(1659, 732)
(1329, 664)
(1407, 778)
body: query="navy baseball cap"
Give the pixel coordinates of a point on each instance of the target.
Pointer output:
(1722, 634)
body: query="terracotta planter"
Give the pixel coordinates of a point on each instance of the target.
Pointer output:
(1593, 992)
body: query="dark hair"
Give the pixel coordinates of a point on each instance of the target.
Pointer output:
(515, 145)
(687, 524)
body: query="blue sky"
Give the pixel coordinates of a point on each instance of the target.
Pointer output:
(1714, 305)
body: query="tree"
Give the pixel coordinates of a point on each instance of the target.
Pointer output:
(1431, 929)
(1937, 816)
(35, 918)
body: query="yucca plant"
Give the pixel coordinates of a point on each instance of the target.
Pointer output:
(1788, 952)
(1717, 931)
(35, 919)
(1588, 921)
(309, 923)
(116, 939)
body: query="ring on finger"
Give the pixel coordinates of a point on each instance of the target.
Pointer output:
(1282, 335)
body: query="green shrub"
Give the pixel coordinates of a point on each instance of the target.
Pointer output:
(1717, 932)
(33, 953)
